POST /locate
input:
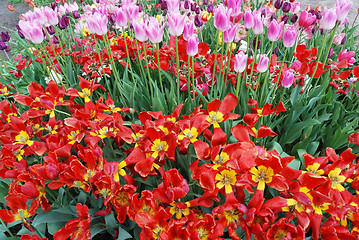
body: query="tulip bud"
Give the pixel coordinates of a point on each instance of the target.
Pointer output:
(286, 7)
(344, 40)
(278, 4)
(5, 37)
(76, 14)
(193, 7)
(275, 51)
(256, 41)
(294, 18)
(2, 45)
(198, 21)
(331, 53)
(205, 2)
(285, 19)
(186, 4)
(64, 22)
(210, 8)
(50, 30)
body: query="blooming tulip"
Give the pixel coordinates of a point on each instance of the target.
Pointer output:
(248, 19)
(289, 37)
(192, 45)
(175, 23)
(222, 18)
(306, 19)
(188, 30)
(173, 5)
(329, 19)
(235, 7)
(154, 30)
(120, 17)
(140, 31)
(97, 24)
(228, 35)
(342, 8)
(51, 16)
(258, 24)
(262, 65)
(32, 31)
(275, 31)
(240, 62)
(288, 79)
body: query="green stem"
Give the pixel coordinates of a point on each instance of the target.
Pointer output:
(6, 228)
(177, 71)
(280, 72)
(267, 74)
(159, 67)
(148, 71)
(215, 63)
(127, 52)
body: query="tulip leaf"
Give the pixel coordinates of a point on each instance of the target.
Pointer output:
(123, 234)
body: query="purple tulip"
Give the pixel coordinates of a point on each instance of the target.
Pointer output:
(76, 14)
(240, 62)
(278, 4)
(192, 45)
(329, 19)
(3, 46)
(222, 18)
(294, 18)
(140, 31)
(286, 7)
(289, 36)
(198, 21)
(50, 30)
(5, 37)
(275, 31)
(64, 22)
(288, 78)
(210, 8)
(262, 65)
(175, 23)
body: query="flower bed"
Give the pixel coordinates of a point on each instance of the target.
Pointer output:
(179, 119)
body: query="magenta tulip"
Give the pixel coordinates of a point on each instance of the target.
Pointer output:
(248, 19)
(120, 17)
(175, 23)
(275, 30)
(240, 62)
(173, 5)
(288, 79)
(228, 35)
(329, 18)
(262, 65)
(192, 45)
(306, 19)
(258, 24)
(289, 36)
(222, 18)
(235, 7)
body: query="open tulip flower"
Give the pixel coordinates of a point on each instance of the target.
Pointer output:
(180, 119)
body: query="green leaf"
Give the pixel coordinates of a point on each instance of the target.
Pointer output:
(55, 226)
(123, 234)
(295, 131)
(52, 216)
(295, 164)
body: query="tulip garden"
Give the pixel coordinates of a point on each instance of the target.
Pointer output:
(180, 119)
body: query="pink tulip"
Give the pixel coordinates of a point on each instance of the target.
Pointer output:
(175, 23)
(228, 35)
(289, 36)
(120, 17)
(240, 62)
(222, 18)
(97, 24)
(342, 8)
(306, 19)
(133, 12)
(258, 24)
(235, 7)
(275, 31)
(329, 18)
(188, 30)
(192, 45)
(39, 17)
(173, 5)
(154, 30)
(288, 79)
(348, 56)
(140, 31)
(262, 65)
(52, 17)
(248, 19)
(32, 31)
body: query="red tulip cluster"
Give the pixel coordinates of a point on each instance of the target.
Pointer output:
(225, 191)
